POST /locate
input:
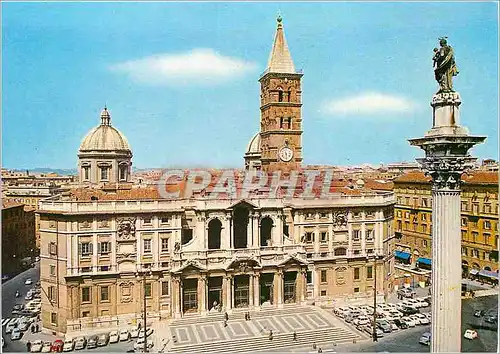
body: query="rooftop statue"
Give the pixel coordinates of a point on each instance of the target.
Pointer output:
(444, 66)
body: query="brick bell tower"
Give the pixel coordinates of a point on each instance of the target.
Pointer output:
(280, 109)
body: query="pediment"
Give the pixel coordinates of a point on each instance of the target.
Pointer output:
(244, 203)
(292, 260)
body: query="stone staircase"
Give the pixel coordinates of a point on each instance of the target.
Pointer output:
(237, 315)
(281, 341)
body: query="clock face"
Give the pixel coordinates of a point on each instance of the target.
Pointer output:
(285, 154)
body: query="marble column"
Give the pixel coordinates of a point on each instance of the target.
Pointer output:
(251, 290)
(256, 287)
(202, 294)
(278, 287)
(176, 297)
(446, 158)
(255, 223)
(229, 292)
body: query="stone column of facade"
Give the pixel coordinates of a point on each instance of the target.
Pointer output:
(176, 297)
(255, 222)
(228, 301)
(446, 148)
(256, 299)
(251, 288)
(316, 281)
(316, 239)
(202, 294)
(300, 286)
(278, 287)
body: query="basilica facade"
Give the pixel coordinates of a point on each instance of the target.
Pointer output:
(108, 245)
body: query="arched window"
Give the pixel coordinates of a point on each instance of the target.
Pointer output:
(280, 96)
(487, 268)
(214, 234)
(340, 251)
(266, 227)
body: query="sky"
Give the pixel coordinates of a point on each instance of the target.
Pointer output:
(181, 79)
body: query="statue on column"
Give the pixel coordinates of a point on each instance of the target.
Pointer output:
(444, 66)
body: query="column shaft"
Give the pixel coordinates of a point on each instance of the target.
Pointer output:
(446, 272)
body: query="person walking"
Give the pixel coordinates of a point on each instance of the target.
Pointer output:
(270, 334)
(226, 316)
(320, 350)
(225, 323)
(28, 346)
(294, 336)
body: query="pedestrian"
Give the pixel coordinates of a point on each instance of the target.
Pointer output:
(270, 334)
(37, 328)
(246, 316)
(226, 316)
(225, 323)
(32, 328)
(294, 336)
(320, 350)
(314, 346)
(249, 316)
(28, 346)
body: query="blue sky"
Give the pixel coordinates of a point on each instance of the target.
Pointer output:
(181, 79)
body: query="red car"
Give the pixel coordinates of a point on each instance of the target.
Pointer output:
(57, 346)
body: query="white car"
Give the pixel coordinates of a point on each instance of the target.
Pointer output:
(149, 331)
(429, 316)
(16, 334)
(134, 333)
(423, 303)
(409, 321)
(393, 326)
(395, 314)
(392, 306)
(47, 346)
(28, 281)
(11, 326)
(124, 334)
(414, 303)
(140, 344)
(470, 334)
(416, 319)
(69, 345)
(423, 318)
(114, 337)
(361, 321)
(341, 311)
(36, 346)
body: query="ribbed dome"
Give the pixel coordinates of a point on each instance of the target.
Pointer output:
(254, 145)
(104, 137)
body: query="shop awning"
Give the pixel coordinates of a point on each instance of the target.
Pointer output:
(489, 274)
(424, 261)
(474, 271)
(403, 255)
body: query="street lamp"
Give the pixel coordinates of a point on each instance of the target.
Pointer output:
(142, 273)
(374, 333)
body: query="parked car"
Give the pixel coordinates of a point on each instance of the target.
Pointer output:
(28, 281)
(29, 296)
(16, 334)
(57, 346)
(425, 339)
(491, 318)
(479, 313)
(415, 319)
(423, 302)
(414, 303)
(36, 346)
(423, 318)
(140, 343)
(149, 331)
(384, 326)
(341, 311)
(103, 340)
(69, 345)
(134, 332)
(361, 321)
(429, 316)
(406, 292)
(11, 326)
(80, 343)
(47, 346)
(395, 314)
(470, 334)
(17, 309)
(408, 321)
(401, 323)
(114, 337)
(408, 311)
(124, 334)
(92, 341)
(24, 325)
(393, 325)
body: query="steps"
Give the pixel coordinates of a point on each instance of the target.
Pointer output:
(280, 341)
(237, 315)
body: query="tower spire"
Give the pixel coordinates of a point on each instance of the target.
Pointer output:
(280, 59)
(105, 116)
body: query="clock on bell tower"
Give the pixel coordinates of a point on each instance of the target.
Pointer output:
(280, 109)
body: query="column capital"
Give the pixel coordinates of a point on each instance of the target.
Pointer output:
(446, 172)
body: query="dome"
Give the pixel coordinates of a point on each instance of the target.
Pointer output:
(254, 145)
(104, 137)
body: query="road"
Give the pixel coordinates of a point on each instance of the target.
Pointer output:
(9, 299)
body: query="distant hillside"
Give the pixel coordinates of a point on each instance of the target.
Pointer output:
(59, 171)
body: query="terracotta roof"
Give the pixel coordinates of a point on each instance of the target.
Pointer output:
(475, 177)
(7, 205)
(379, 185)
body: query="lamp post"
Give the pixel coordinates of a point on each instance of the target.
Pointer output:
(142, 273)
(374, 333)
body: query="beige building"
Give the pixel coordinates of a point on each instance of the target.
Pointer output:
(200, 253)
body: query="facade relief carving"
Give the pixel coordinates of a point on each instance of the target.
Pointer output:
(340, 218)
(340, 275)
(126, 229)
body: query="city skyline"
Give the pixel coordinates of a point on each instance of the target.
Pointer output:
(212, 54)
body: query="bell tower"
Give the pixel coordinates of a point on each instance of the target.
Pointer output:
(280, 109)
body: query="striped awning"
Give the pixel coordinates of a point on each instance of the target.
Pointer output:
(489, 274)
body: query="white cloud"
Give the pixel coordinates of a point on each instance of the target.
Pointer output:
(198, 66)
(368, 103)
